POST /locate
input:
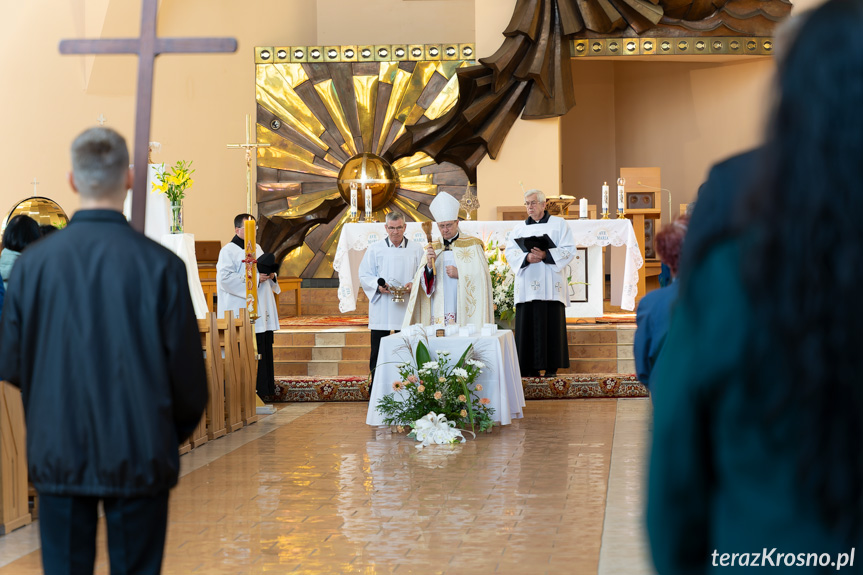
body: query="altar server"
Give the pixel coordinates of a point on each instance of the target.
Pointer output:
(541, 289)
(392, 260)
(231, 284)
(458, 291)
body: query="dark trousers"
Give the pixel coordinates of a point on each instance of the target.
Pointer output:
(266, 385)
(377, 335)
(136, 533)
(540, 337)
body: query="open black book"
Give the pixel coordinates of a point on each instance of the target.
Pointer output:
(542, 242)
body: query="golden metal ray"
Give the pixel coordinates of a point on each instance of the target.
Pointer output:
(415, 114)
(366, 90)
(419, 79)
(304, 203)
(329, 158)
(287, 105)
(272, 158)
(327, 91)
(445, 100)
(296, 261)
(400, 84)
(417, 161)
(282, 146)
(447, 69)
(388, 72)
(421, 184)
(406, 201)
(294, 74)
(409, 210)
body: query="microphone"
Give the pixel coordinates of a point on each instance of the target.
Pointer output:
(382, 283)
(670, 214)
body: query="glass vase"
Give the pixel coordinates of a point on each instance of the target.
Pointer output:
(176, 217)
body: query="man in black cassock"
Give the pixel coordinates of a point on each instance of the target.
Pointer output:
(99, 332)
(541, 287)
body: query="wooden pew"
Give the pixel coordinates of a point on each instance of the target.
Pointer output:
(215, 376)
(249, 363)
(230, 350)
(14, 503)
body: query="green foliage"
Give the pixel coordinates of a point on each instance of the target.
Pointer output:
(437, 386)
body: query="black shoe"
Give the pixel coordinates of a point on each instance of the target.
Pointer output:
(552, 373)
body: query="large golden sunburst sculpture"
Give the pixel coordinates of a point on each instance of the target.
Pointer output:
(330, 118)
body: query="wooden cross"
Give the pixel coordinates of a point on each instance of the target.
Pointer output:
(248, 147)
(101, 119)
(35, 183)
(147, 46)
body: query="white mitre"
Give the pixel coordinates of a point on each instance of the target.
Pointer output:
(444, 208)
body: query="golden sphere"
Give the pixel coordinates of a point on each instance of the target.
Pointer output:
(368, 170)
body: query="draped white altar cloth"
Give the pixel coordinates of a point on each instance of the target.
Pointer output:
(617, 234)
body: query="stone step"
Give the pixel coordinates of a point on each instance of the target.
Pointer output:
(592, 349)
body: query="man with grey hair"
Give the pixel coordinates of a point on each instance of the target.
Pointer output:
(392, 260)
(100, 334)
(539, 251)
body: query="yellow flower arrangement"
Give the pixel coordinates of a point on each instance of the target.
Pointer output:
(175, 182)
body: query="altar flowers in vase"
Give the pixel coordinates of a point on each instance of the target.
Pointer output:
(446, 391)
(502, 283)
(174, 183)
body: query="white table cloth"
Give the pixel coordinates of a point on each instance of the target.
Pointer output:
(500, 378)
(184, 246)
(617, 234)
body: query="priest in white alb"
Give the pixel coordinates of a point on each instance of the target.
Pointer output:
(458, 291)
(392, 260)
(539, 250)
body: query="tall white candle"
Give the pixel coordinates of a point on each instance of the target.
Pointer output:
(582, 208)
(368, 194)
(353, 201)
(620, 195)
(604, 197)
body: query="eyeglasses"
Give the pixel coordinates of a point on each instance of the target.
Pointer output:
(531, 204)
(392, 229)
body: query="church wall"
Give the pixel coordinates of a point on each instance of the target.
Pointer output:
(680, 116)
(348, 22)
(531, 152)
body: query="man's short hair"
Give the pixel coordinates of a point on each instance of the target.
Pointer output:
(394, 216)
(100, 162)
(238, 221)
(540, 196)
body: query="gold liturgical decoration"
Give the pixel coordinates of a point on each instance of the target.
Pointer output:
(330, 115)
(44, 210)
(469, 203)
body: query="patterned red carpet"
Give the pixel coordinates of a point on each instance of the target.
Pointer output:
(324, 321)
(562, 387)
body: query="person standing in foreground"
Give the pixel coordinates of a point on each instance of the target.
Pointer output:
(541, 289)
(756, 458)
(231, 285)
(457, 291)
(99, 333)
(392, 259)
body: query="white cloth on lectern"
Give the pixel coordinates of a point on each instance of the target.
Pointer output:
(158, 213)
(398, 264)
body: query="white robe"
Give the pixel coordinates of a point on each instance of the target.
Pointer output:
(542, 281)
(469, 297)
(231, 284)
(393, 264)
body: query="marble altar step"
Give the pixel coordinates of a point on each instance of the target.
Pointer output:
(344, 351)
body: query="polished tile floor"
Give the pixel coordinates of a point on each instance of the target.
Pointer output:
(312, 489)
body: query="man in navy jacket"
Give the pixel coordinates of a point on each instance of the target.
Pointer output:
(99, 332)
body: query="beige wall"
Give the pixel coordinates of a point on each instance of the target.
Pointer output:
(531, 152)
(199, 101)
(680, 116)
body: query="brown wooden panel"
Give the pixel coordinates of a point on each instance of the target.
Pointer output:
(343, 82)
(366, 68)
(385, 91)
(269, 191)
(310, 96)
(207, 250)
(265, 118)
(432, 89)
(317, 72)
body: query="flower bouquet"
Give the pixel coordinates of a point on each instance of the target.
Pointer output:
(174, 184)
(502, 282)
(436, 388)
